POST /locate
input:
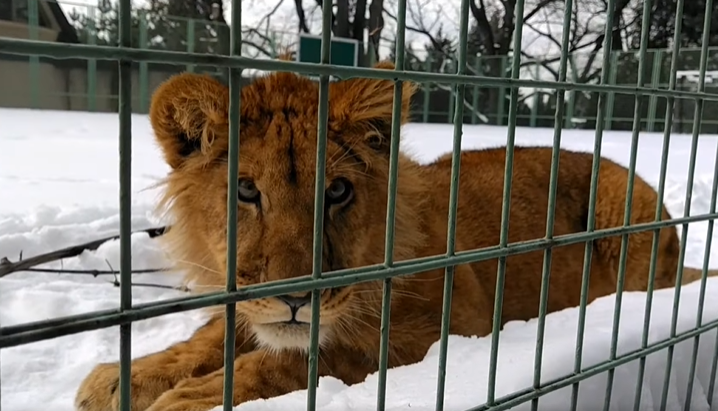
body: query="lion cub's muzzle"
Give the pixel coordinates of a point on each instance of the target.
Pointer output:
(294, 304)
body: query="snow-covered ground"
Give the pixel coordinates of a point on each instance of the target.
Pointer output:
(59, 187)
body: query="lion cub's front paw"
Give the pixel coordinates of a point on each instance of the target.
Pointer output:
(100, 391)
(192, 394)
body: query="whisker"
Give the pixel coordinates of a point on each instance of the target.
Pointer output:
(200, 266)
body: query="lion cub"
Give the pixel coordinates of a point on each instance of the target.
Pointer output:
(189, 117)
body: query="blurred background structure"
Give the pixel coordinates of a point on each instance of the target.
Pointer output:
(363, 33)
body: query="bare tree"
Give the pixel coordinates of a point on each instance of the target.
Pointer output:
(492, 31)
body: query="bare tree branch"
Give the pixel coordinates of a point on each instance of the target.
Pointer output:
(262, 37)
(93, 273)
(301, 16)
(9, 267)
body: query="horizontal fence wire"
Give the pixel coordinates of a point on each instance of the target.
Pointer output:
(519, 397)
(68, 51)
(42, 330)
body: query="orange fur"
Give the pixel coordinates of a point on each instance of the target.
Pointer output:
(189, 116)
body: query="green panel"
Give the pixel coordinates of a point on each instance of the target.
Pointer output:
(343, 52)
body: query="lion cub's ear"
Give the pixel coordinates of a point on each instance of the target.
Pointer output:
(367, 104)
(188, 113)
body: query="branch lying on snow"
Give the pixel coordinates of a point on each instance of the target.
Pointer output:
(184, 289)
(94, 273)
(8, 267)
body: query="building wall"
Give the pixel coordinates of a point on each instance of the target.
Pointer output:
(21, 31)
(66, 84)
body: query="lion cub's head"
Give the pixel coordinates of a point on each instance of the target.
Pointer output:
(278, 149)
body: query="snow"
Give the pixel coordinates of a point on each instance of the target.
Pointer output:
(59, 179)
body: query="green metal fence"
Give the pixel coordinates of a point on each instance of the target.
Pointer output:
(125, 55)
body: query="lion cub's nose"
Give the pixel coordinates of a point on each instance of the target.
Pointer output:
(296, 303)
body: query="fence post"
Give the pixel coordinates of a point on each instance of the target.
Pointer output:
(273, 44)
(452, 96)
(475, 96)
(427, 90)
(92, 63)
(571, 105)
(33, 26)
(502, 94)
(655, 81)
(611, 96)
(190, 42)
(144, 81)
(534, 106)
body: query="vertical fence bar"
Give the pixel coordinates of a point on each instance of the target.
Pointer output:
(638, 107)
(697, 117)
(125, 108)
(91, 63)
(452, 102)
(453, 205)
(537, 94)
(235, 102)
(613, 70)
(396, 113)
(191, 41)
(34, 34)
(659, 203)
(506, 203)
(144, 95)
(591, 221)
(323, 112)
(502, 91)
(273, 44)
(475, 95)
(427, 92)
(551, 209)
(571, 105)
(655, 80)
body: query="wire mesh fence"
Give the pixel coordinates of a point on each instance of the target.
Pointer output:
(645, 92)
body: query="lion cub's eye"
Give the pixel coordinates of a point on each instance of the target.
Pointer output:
(339, 191)
(247, 191)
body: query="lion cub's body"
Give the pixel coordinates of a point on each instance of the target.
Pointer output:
(189, 118)
(479, 225)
